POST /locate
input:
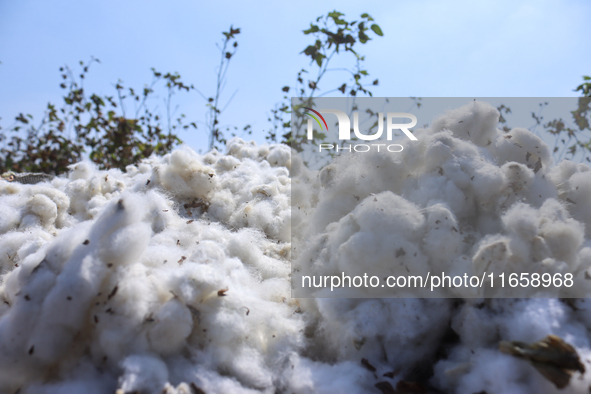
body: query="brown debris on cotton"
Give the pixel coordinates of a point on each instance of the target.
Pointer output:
(552, 357)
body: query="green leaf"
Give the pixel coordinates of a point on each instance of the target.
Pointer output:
(363, 38)
(335, 14)
(312, 29)
(376, 29)
(363, 72)
(319, 58)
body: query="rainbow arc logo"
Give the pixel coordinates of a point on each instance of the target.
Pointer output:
(315, 118)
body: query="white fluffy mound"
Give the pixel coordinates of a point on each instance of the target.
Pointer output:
(174, 277)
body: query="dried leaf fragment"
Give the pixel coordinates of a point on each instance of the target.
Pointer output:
(555, 359)
(404, 387)
(400, 252)
(385, 388)
(222, 292)
(195, 389)
(367, 365)
(113, 292)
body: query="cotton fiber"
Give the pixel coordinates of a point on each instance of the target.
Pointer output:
(175, 275)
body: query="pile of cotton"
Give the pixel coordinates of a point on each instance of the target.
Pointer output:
(175, 276)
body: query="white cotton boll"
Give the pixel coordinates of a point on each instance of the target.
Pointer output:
(131, 170)
(196, 282)
(186, 176)
(211, 157)
(583, 259)
(561, 173)
(304, 190)
(432, 189)
(311, 377)
(75, 286)
(44, 208)
(487, 183)
(266, 217)
(442, 241)
(240, 149)
(297, 168)
(124, 246)
(540, 190)
(209, 250)
(143, 373)
(248, 366)
(384, 224)
(118, 339)
(226, 163)
(563, 235)
(62, 202)
(117, 214)
(110, 185)
(79, 196)
(57, 323)
(300, 206)
(95, 204)
(523, 221)
(172, 325)
(475, 121)
(392, 332)
(223, 205)
(16, 246)
(532, 320)
(133, 293)
(82, 170)
(388, 172)
(522, 146)
(576, 193)
(436, 154)
(460, 265)
(262, 191)
(414, 154)
(241, 246)
(279, 156)
(351, 185)
(30, 220)
(159, 212)
(9, 188)
(492, 255)
(144, 167)
(327, 175)
(60, 251)
(518, 176)
(10, 215)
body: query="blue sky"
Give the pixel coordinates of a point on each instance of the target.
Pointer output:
(500, 48)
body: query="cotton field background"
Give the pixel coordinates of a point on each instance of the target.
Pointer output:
(175, 276)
